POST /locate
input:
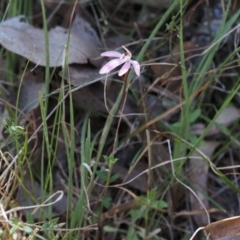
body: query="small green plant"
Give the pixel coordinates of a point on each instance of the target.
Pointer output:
(14, 130)
(105, 174)
(18, 225)
(193, 116)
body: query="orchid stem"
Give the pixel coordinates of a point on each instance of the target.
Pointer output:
(121, 106)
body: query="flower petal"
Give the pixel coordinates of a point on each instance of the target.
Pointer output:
(136, 67)
(124, 68)
(111, 54)
(108, 67)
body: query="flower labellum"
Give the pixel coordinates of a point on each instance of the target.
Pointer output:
(124, 58)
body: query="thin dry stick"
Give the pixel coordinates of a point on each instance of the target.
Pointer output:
(10, 177)
(37, 206)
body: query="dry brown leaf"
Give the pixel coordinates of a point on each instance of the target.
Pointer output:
(227, 229)
(226, 118)
(92, 98)
(198, 129)
(80, 75)
(198, 169)
(20, 37)
(84, 30)
(29, 93)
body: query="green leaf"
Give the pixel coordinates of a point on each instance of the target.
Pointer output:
(30, 218)
(132, 234)
(137, 213)
(102, 175)
(114, 177)
(8, 122)
(53, 222)
(106, 202)
(176, 125)
(27, 229)
(152, 194)
(110, 229)
(45, 225)
(195, 115)
(134, 214)
(14, 229)
(59, 225)
(111, 160)
(50, 224)
(141, 233)
(159, 204)
(15, 221)
(193, 138)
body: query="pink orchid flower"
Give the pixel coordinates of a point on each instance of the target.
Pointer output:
(120, 59)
